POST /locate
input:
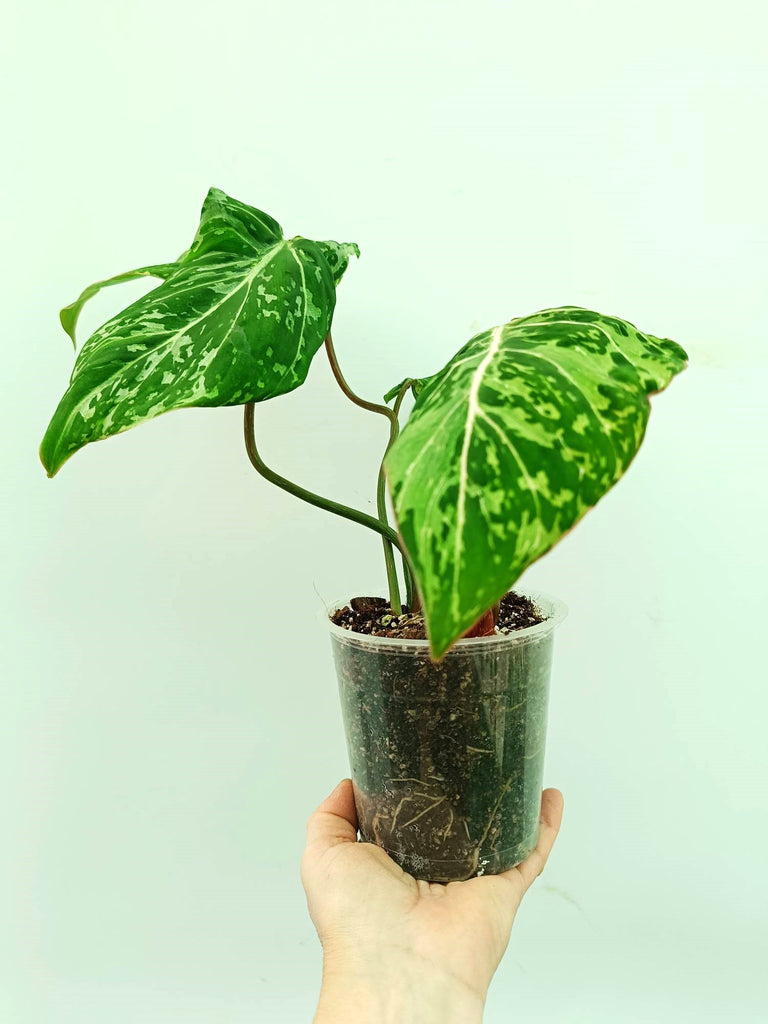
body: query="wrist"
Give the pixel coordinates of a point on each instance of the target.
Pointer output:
(415, 993)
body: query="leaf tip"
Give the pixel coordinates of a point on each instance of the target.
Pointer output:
(439, 646)
(68, 320)
(51, 469)
(214, 194)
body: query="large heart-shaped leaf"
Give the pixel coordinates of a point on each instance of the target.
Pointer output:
(510, 444)
(238, 320)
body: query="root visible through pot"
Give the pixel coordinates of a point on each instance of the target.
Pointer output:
(423, 821)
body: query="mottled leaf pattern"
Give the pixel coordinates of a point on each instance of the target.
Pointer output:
(238, 320)
(229, 226)
(510, 444)
(337, 256)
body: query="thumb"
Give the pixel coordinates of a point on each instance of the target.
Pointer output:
(335, 820)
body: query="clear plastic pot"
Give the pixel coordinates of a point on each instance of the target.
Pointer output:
(447, 758)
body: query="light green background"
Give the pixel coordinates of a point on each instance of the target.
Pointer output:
(169, 708)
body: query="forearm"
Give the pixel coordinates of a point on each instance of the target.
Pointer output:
(408, 997)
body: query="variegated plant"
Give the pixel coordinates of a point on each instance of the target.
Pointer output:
(238, 318)
(505, 449)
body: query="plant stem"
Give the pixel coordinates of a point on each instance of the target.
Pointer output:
(411, 597)
(300, 492)
(381, 499)
(371, 406)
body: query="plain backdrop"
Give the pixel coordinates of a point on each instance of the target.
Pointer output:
(169, 708)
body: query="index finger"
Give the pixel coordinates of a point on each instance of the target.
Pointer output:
(549, 825)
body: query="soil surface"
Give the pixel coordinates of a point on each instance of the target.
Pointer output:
(373, 616)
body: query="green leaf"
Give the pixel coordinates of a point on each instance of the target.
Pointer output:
(70, 314)
(237, 321)
(337, 255)
(229, 226)
(510, 444)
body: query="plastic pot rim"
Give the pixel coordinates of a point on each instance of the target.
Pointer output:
(552, 607)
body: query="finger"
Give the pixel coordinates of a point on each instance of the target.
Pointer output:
(549, 825)
(335, 820)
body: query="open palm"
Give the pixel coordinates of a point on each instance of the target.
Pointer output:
(367, 909)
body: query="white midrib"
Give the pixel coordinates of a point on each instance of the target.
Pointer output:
(247, 281)
(300, 343)
(473, 408)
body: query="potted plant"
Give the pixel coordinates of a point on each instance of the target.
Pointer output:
(444, 684)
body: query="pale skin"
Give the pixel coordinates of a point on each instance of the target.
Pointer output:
(400, 950)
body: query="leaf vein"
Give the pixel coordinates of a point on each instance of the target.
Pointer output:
(473, 408)
(172, 338)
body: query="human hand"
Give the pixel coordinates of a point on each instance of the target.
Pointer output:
(398, 949)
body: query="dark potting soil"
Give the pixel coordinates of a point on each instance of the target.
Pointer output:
(373, 616)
